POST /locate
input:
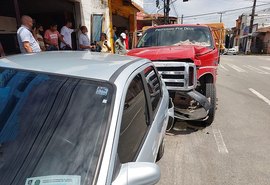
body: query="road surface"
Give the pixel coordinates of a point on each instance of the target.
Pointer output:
(235, 149)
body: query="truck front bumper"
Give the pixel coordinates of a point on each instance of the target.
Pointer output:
(199, 112)
(181, 81)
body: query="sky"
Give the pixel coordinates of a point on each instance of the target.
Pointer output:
(195, 7)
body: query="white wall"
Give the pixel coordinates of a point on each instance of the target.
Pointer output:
(262, 19)
(139, 2)
(89, 7)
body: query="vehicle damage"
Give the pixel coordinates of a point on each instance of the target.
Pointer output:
(186, 58)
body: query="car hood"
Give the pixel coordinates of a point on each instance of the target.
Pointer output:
(169, 52)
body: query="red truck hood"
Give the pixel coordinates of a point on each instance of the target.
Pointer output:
(169, 52)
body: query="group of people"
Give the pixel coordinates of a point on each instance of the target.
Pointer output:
(31, 40)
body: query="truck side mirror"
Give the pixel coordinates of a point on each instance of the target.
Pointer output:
(139, 173)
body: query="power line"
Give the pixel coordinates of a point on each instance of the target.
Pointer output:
(259, 1)
(175, 10)
(225, 16)
(228, 14)
(211, 13)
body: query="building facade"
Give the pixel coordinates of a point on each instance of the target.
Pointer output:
(259, 39)
(97, 15)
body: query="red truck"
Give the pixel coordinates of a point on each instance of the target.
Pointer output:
(186, 56)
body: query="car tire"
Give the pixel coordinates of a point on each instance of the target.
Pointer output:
(210, 93)
(161, 150)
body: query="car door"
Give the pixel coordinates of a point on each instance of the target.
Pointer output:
(135, 121)
(159, 103)
(141, 131)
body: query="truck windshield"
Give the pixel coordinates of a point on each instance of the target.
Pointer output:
(52, 128)
(177, 35)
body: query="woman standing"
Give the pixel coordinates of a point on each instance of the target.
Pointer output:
(104, 44)
(37, 34)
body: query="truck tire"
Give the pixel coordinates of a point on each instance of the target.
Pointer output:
(160, 150)
(210, 93)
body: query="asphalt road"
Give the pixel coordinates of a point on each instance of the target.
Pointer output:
(235, 149)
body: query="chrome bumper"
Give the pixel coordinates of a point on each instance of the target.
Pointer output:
(181, 77)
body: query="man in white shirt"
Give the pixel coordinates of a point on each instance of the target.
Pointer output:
(84, 41)
(26, 40)
(66, 32)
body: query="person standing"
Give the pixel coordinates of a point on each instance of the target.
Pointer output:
(37, 34)
(52, 36)
(66, 32)
(84, 41)
(127, 39)
(104, 44)
(114, 33)
(120, 45)
(26, 40)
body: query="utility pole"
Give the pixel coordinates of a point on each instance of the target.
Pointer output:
(166, 11)
(221, 16)
(248, 45)
(220, 20)
(252, 16)
(220, 31)
(182, 19)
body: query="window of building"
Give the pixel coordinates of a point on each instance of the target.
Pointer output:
(134, 121)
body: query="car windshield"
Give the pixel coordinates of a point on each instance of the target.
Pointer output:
(177, 35)
(52, 128)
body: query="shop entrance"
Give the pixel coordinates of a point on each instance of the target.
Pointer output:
(121, 24)
(44, 12)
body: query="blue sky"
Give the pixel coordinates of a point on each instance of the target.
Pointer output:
(195, 7)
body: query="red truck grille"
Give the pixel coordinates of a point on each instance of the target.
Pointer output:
(177, 75)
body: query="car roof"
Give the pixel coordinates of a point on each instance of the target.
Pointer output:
(72, 63)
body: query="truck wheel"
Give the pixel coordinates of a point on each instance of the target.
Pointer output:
(210, 93)
(160, 150)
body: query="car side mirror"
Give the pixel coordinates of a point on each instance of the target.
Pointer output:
(139, 173)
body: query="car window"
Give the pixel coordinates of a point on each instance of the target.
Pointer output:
(153, 84)
(134, 123)
(51, 125)
(176, 35)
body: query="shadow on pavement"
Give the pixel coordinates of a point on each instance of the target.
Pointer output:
(186, 127)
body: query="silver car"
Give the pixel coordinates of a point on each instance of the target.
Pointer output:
(81, 118)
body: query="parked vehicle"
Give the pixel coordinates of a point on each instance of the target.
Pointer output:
(231, 51)
(81, 117)
(186, 57)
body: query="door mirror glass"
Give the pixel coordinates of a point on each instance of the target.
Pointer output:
(139, 173)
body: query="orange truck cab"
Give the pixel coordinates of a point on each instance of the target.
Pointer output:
(186, 56)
